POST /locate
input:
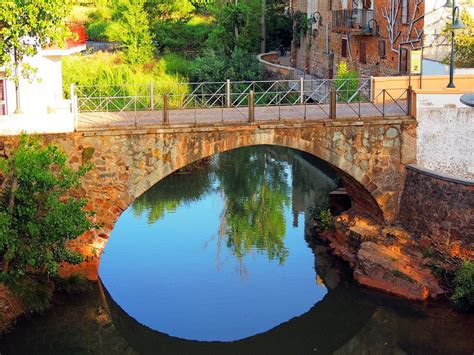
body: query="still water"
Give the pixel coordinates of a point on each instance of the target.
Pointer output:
(221, 259)
(219, 253)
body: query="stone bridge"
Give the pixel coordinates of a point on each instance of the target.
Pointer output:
(368, 154)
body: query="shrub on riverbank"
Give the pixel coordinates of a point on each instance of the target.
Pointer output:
(463, 295)
(106, 72)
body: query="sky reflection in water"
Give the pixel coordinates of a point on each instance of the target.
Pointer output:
(219, 253)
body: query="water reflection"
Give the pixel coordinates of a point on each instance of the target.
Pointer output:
(230, 234)
(256, 192)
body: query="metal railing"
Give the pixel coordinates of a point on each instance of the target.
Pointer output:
(354, 19)
(230, 102)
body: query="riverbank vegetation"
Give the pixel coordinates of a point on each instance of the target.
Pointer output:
(38, 218)
(176, 41)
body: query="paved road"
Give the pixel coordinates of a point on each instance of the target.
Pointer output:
(313, 112)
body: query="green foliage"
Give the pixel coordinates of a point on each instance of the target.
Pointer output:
(161, 198)
(237, 26)
(169, 10)
(324, 220)
(216, 66)
(35, 295)
(37, 214)
(463, 295)
(347, 82)
(463, 42)
(73, 284)
(174, 64)
(278, 25)
(180, 36)
(107, 71)
(134, 31)
(257, 192)
(26, 26)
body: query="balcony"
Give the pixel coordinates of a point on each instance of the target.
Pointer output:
(355, 21)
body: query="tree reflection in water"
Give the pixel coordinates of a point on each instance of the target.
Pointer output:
(256, 190)
(257, 185)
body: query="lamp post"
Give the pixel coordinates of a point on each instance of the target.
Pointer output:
(317, 18)
(456, 24)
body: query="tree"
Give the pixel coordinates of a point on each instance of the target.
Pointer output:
(26, 26)
(37, 213)
(463, 42)
(135, 34)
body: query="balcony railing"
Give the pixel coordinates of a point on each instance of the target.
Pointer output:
(355, 21)
(79, 36)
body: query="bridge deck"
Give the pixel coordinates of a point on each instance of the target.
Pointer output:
(92, 120)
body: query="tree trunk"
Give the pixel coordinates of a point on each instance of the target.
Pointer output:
(263, 40)
(17, 84)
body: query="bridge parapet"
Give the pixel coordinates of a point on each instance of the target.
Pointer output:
(230, 103)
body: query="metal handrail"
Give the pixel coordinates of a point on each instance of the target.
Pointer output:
(295, 99)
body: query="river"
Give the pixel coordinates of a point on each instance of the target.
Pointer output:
(221, 258)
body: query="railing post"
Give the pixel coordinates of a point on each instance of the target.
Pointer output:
(251, 106)
(302, 90)
(228, 95)
(165, 109)
(152, 97)
(74, 106)
(409, 101)
(332, 103)
(383, 103)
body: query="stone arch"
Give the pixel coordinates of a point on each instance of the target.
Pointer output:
(351, 175)
(367, 157)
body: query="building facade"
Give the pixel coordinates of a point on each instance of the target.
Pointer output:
(44, 94)
(375, 37)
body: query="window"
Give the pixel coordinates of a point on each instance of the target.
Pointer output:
(403, 61)
(344, 48)
(3, 108)
(363, 52)
(382, 49)
(405, 11)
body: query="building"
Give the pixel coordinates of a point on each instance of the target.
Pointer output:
(375, 37)
(45, 94)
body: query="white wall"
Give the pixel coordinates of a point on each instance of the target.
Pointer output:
(431, 67)
(445, 134)
(437, 47)
(28, 123)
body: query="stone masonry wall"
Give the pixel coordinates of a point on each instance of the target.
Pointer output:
(439, 207)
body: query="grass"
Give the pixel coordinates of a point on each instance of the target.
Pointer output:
(107, 74)
(35, 295)
(175, 64)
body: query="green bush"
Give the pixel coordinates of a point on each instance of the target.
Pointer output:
(324, 220)
(73, 284)
(35, 295)
(463, 295)
(216, 66)
(175, 64)
(347, 83)
(106, 74)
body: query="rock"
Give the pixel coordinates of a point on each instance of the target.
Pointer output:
(388, 269)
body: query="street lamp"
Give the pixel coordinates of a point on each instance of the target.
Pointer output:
(374, 30)
(455, 25)
(317, 18)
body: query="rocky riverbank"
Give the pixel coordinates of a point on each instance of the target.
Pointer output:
(389, 259)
